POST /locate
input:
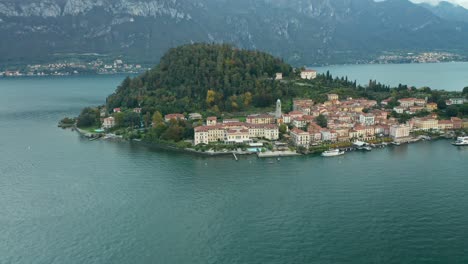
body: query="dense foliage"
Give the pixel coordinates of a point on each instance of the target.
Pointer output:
(89, 117)
(321, 120)
(174, 131)
(203, 76)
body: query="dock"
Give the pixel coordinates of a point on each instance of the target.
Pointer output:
(235, 157)
(274, 154)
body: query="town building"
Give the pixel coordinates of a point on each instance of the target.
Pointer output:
(233, 120)
(457, 122)
(399, 109)
(431, 107)
(237, 136)
(367, 119)
(303, 105)
(231, 133)
(108, 123)
(445, 124)
(170, 117)
(300, 138)
(456, 101)
(332, 97)
(399, 131)
(465, 123)
(279, 76)
(415, 109)
(308, 74)
(425, 123)
(195, 116)
(406, 102)
(260, 119)
(420, 102)
(286, 119)
(211, 121)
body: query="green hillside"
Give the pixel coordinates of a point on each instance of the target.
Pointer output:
(204, 76)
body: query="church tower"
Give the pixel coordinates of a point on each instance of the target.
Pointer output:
(278, 109)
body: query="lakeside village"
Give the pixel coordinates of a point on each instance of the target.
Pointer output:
(342, 125)
(117, 66)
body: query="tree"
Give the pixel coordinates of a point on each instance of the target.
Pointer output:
(119, 119)
(131, 119)
(441, 104)
(147, 119)
(452, 111)
(210, 97)
(465, 92)
(247, 99)
(283, 129)
(321, 120)
(157, 119)
(88, 117)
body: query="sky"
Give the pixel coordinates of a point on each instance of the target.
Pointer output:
(460, 2)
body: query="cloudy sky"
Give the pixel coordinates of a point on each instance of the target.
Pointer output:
(460, 2)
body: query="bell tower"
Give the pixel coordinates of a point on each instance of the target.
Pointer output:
(278, 109)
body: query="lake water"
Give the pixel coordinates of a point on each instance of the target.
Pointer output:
(64, 199)
(451, 76)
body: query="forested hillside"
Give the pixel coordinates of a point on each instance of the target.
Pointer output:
(205, 76)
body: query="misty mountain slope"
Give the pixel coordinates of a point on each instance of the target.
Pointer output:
(448, 11)
(300, 31)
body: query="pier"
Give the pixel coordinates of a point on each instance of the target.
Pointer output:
(235, 157)
(274, 154)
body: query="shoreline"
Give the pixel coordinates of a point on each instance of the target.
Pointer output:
(309, 66)
(268, 154)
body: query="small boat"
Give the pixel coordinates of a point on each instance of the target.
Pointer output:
(396, 143)
(461, 141)
(332, 153)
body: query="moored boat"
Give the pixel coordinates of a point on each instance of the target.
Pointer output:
(332, 153)
(461, 141)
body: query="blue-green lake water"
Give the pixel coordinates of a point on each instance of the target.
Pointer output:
(451, 76)
(64, 199)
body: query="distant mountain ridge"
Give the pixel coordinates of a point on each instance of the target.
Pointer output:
(448, 11)
(300, 31)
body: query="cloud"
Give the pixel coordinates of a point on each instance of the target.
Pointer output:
(463, 3)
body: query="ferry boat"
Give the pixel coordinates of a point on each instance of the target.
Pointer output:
(333, 153)
(461, 141)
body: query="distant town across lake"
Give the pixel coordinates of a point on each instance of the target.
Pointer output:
(451, 76)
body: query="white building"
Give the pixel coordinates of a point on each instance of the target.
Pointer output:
(235, 133)
(399, 109)
(326, 135)
(237, 136)
(195, 116)
(399, 131)
(300, 138)
(456, 101)
(108, 123)
(367, 119)
(406, 102)
(211, 121)
(308, 74)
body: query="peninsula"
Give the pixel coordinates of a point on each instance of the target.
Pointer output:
(220, 99)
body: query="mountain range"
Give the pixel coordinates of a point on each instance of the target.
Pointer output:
(448, 11)
(300, 31)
